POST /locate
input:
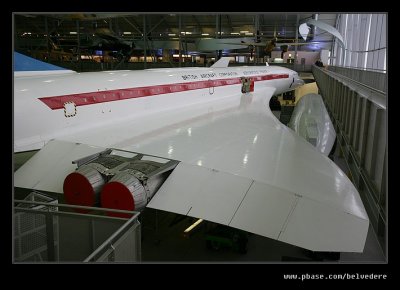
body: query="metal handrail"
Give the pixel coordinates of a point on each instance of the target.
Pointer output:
(74, 206)
(374, 95)
(104, 246)
(49, 214)
(349, 79)
(362, 68)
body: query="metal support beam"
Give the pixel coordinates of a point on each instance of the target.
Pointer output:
(228, 18)
(144, 42)
(117, 29)
(133, 25)
(218, 34)
(42, 41)
(157, 24)
(257, 30)
(180, 39)
(333, 60)
(197, 23)
(47, 37)
(297, 37)
(79, 44)
(50, 237)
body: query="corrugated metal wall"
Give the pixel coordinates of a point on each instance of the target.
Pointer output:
(359, 117)
(365, 41)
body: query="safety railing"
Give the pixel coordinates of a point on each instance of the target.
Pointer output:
(122, 246)
(51, 232)
(374, 79)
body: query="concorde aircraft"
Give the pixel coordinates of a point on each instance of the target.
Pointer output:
(236, 164)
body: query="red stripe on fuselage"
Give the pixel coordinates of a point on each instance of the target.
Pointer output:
(57, 102)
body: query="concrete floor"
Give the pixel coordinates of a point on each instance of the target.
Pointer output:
(167, 242)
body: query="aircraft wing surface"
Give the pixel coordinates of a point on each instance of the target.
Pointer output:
(241, 167)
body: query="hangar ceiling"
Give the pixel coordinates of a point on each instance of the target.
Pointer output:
(31, 29)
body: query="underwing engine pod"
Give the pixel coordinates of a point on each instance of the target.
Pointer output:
(132, 188)
(83, 187)
(116, 181)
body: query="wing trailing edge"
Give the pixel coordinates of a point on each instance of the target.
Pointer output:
(260, 208)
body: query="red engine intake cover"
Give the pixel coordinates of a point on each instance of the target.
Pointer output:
(78, 191)
(117, 195)
(82, 187)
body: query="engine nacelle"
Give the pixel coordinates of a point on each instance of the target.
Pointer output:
(116, 182)
(83, 187)
(123, 191)
(131, 189)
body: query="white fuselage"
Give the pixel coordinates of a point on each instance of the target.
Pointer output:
(52, 106)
